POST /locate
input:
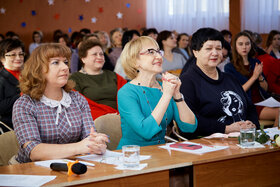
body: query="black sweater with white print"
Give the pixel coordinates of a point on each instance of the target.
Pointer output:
(216, 103)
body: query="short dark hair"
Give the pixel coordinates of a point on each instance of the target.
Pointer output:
(203, 35)
(128, 35)
(163, 35)
(9, 44)
(149, 31)
(87, 45)
(226, 32)
(271, 34)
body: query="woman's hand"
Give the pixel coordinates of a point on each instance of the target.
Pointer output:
(169, 84)
(95, 143)
(257, 70)
(235, 127)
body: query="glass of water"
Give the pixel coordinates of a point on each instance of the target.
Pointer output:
(131, 155)
(247, 137)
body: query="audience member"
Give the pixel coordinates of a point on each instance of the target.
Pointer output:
(2, 37)
(12, 59)
(183, 46)
(216, 98)
(147, 106)
(56, 34)
(227, 57)
(12, 34)
(127, 36)
(257, 39)
(248, 71)
(227, 35)
(171, 61)
(152, 32)
(37, 37)
(273, 44)
(99, 86)
(50, 120)
(116, 42)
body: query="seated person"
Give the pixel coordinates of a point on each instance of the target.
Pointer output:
(273, 44)
(50, 120)
(217, 99)
(146, 106)
(172, 62)
(12, 58)
(99, 86)
(249, 71)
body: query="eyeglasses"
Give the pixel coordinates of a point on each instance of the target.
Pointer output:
(14, 55)
(153, 52)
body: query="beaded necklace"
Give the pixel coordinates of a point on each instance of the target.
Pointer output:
(165, 114)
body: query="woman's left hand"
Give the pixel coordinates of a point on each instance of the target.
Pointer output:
(174, 80)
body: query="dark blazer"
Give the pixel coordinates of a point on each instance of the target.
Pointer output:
(9, 93)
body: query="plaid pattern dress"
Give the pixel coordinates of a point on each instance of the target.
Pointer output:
(35, 122)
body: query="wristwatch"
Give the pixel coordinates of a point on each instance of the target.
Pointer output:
(261, 79)
(179, 100)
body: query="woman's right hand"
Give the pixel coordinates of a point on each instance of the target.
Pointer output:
(235, 127)
(167, 85)
(257, 70)
(95, 143)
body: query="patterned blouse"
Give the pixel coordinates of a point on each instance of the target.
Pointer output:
(52, 122)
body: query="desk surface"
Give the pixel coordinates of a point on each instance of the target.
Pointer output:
(161, 160)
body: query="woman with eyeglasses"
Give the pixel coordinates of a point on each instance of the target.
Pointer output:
(99, 86)
(147, 106)
(12, 58)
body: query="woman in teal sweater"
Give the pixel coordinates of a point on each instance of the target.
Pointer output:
(145, 105)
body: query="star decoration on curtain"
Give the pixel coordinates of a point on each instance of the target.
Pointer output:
(87, 1)
(93, 20)
(100, 9)
(2, 10)
(127, 5)
(56, 16)
(33, 13)
(51, 2)
(81, 17)
(23, 24)
(69, 29)
(119, 15)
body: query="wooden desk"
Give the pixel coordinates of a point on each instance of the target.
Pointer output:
(233, 167)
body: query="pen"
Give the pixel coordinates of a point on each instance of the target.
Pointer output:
(82, 162)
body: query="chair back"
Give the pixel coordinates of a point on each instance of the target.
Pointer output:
(110, 124)
(8, 147)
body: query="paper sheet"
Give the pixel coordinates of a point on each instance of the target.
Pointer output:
(204, 149)
(24, 180)
(270, 102)
(109, 157)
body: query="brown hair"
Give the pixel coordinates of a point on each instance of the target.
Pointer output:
(271, 34)
(237, 59)
(32, 82)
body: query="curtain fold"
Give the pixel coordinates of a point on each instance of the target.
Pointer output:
(260, 16)
(187, 15)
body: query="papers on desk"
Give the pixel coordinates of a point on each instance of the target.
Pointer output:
(24, 180)
(109, 157)
(270, 102)
(204, 149)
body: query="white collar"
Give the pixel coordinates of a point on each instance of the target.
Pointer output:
(65, 101)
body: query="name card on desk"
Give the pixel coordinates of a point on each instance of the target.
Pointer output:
(203, 148)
